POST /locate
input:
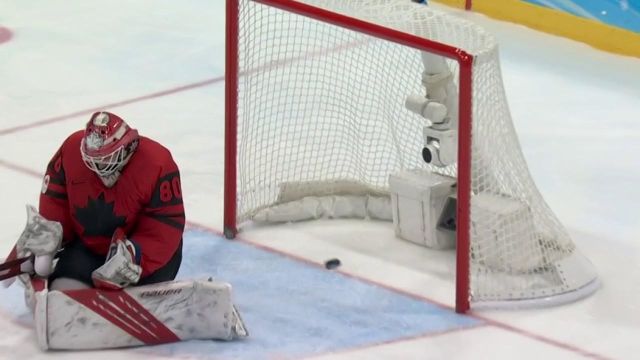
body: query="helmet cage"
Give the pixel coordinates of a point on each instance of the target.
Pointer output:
(107, 164)
(108, 144)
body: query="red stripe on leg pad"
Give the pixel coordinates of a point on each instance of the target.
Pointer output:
(123, 311)
(132, 306)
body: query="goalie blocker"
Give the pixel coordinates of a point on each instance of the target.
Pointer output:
(144, 315)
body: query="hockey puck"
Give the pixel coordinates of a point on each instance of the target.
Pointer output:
(332, 264)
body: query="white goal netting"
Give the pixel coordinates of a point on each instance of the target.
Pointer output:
(321, 111)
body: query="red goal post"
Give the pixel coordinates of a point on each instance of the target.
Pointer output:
(464, 147)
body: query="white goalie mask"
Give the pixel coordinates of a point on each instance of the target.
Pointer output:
(107, 145)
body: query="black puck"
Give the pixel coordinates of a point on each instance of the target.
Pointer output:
(332, 264)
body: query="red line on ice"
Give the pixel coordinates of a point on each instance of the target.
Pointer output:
(264, 67)
(116, 104)
(5, 35)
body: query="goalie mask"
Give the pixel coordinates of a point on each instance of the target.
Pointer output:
(107, 145)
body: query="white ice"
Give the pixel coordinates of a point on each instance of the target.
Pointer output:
(576, 109)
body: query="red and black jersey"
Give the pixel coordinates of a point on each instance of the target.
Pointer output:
(146, 201)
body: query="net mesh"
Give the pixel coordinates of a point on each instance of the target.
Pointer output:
(320, 104)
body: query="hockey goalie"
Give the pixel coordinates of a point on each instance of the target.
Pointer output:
(99, 257)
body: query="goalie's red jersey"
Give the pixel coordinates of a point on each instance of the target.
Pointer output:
(146, 201)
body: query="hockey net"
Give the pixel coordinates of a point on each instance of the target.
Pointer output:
(316, 95)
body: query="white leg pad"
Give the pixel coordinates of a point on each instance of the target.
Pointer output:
(40, 318)
(143, 315)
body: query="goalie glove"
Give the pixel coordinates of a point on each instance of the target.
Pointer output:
(122, 267)
(40, 240)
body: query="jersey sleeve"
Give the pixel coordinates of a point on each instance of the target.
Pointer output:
(158, 231)
(54, 204)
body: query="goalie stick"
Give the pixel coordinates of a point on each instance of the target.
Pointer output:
(11, 268)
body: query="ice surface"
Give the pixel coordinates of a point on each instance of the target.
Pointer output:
(576, 109)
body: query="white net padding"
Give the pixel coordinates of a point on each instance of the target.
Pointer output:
(321, 113)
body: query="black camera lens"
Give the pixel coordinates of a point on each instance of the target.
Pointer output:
(426, 155)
